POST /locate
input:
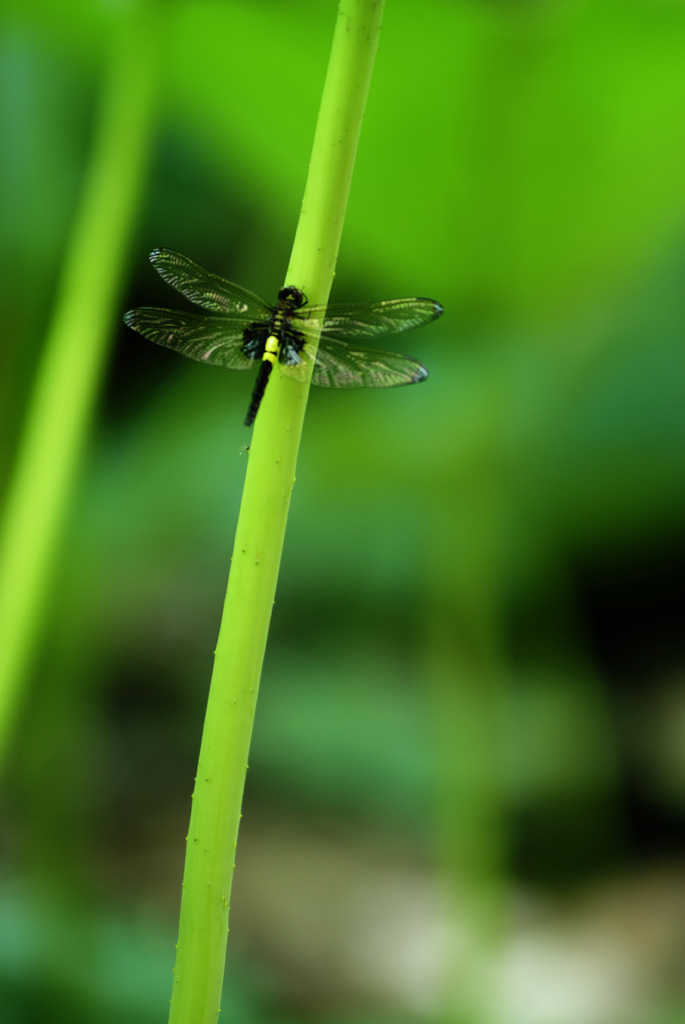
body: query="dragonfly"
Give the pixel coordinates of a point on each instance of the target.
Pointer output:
(241, 331)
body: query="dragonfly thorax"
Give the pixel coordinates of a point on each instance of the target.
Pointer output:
(291, 341)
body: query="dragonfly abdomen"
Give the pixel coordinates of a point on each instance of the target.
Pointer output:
(271, 349)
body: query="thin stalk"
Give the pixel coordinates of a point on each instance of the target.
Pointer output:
(71, 366)
(269, 481)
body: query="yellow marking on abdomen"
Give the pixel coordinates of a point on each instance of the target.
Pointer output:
(271, 348)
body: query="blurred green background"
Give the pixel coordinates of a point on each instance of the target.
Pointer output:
(466, 792)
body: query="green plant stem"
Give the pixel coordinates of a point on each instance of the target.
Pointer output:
(75, 349)
(270, 477)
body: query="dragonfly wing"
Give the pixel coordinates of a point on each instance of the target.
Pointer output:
(337, 365)
(206, 289)
(373, 320)
(216, 340)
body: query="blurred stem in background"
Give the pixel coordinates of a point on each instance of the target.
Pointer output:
(217, 800)
(68, 378)
(467, 668)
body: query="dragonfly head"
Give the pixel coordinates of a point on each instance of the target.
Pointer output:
(292, 298)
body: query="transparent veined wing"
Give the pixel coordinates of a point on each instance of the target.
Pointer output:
(372, 320)
(216, 340)
(206, 289)
(337, 365)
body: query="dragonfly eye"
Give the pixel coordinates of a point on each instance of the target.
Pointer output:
(293, 297)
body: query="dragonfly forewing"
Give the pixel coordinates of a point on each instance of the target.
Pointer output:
(206, 289)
